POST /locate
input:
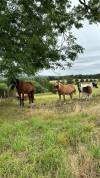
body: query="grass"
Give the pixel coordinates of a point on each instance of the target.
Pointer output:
(50, 141)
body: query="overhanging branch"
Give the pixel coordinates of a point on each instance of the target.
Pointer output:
(87, 7)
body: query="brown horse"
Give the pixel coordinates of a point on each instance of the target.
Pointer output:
(68, 89)
(22, 89)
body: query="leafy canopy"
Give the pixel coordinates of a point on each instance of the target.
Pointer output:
(36, 34)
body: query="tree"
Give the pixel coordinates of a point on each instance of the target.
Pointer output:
(89, 10)
(30, 30)
(70, 80)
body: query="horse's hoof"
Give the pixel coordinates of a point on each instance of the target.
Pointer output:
(31, 105)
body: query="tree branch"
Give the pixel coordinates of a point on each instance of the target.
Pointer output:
(85, 5)
(94, 11)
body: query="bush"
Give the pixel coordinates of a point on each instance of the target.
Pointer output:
(50, 87)
(70, 81)
(82, 80)
(39, 88)
(87, 80)
(43, 85)
(3, 90)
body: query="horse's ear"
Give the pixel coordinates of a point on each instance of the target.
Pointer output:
(12, 81)
(17, 80)
(56, 84)
(12, 84)
(57, 81)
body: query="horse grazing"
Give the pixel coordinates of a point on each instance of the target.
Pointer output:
(68, 89)
(22, 89)
(86, 89)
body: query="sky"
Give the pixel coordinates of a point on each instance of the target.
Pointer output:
(88, 62)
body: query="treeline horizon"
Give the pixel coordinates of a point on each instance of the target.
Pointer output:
(79, 76)
(63, 77)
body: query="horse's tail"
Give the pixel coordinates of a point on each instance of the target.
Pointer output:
(32, 95)
(74, 91)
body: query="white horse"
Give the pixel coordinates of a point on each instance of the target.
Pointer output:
(86, 89)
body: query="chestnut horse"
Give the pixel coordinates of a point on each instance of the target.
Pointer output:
(68, 89)
(22, 89)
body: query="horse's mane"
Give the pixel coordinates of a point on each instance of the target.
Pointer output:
(19, 80)
(23, 82)
(61, 84)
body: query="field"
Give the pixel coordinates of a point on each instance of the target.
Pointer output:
(51, 140)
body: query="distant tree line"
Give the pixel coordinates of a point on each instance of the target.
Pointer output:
(75, 77)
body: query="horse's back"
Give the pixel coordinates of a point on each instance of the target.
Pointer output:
(70, 88)
(67, 89)
(87, 89)
(26, 87)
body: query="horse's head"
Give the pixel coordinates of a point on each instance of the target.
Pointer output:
(94, 85)
(78, 83)
(79, 86)
(56, 87)
(13, 83)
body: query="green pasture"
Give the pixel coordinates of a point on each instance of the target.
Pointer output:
(48, 141)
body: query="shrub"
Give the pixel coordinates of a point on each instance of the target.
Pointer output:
(43, 85)
(82, 80)
(3, 90)
(70, 81)
(50, 87)
(39, 88)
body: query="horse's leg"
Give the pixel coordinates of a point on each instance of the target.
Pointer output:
(71, 95)
(64, 97)
(22, 99)
(79, 95)
(59, 97)
(32, 99)
(32, 96)
(29, 97)
(90, 96)
(83, 95)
